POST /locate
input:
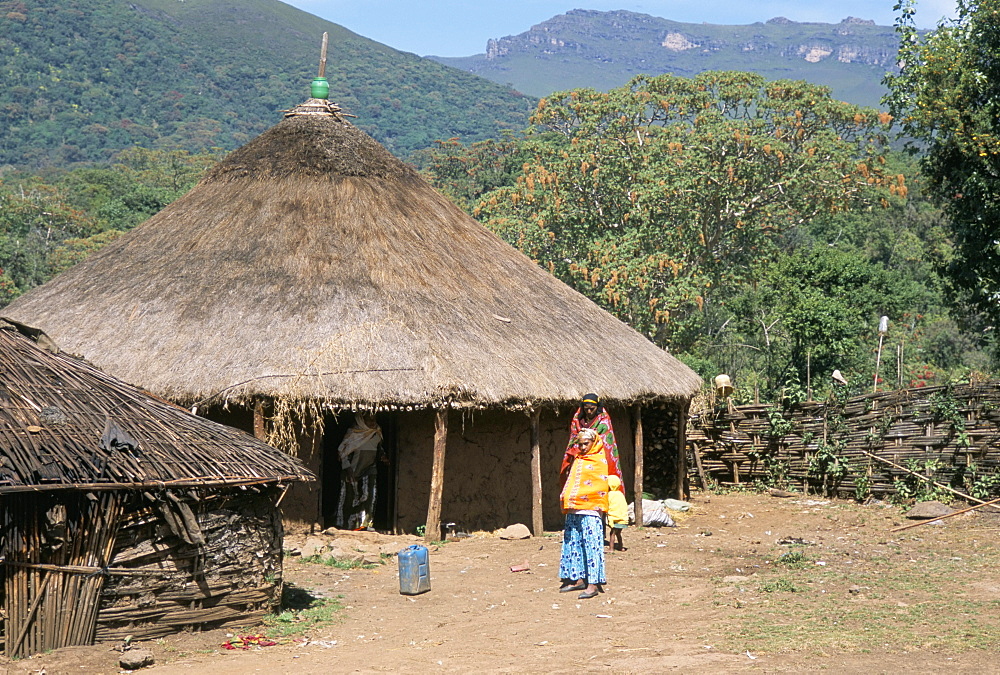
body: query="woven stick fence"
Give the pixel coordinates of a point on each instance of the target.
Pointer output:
(949, 434)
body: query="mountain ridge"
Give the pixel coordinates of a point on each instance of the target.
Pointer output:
(604, 49)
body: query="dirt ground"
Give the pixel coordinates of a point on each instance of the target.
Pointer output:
(711, 595)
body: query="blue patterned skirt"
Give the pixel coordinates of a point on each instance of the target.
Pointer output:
(583, 549)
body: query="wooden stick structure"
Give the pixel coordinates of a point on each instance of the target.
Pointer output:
(637, 485)
(923, 477)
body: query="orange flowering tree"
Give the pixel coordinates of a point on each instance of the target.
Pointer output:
(654, 198)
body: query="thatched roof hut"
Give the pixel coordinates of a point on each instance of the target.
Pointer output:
(118, 509)
(312, 265)
(312, 250)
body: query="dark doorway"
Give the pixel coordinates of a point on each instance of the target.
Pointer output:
(339, 496)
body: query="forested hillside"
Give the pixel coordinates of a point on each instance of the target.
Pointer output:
(82, 79)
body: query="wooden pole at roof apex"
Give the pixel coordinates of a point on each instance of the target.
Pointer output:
(322, 55)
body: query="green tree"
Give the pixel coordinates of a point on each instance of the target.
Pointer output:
(655, 198)
(34, 219)
(947, 98)
(51, 221)
(815, 308)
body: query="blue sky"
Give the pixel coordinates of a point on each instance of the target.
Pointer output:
(462, 27)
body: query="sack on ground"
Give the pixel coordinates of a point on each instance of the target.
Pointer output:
(654, 514)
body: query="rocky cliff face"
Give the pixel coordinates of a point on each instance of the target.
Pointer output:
(605, 35)
(588, 48)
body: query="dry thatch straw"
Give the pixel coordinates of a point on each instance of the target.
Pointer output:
(312, 264)
(54, 411)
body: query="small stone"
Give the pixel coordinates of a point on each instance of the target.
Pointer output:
(854, 590)
(389, 549)
(134, 659)
(314, 546)
(515, 531)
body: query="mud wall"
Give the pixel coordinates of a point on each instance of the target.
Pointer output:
(487, 475)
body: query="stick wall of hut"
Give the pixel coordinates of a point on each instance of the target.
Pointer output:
(53, 585)
(638, 476)
(536, 477)
(432, 531)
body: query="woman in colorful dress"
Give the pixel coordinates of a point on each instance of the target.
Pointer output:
(592, 415)
(584, 501)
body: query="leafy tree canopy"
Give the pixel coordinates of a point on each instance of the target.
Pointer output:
(815, 310)
(947, 98)
(655, 198)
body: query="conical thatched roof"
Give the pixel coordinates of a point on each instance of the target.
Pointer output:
(65, 424)
(311, 263)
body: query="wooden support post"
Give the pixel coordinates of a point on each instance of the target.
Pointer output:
(536, 477)
(682, 467)
(637, 484)
(258, 419)
(432, 531)
(322, 55)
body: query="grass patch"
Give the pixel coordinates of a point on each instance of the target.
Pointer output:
(792, 559)
(779, 585)
(925, 603)
(301, 612)
(293, 622)
(340, 563)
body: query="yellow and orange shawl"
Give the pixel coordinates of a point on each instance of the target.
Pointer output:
(587, 485)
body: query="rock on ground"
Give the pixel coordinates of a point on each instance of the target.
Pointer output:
(134, 659)
(928, 510)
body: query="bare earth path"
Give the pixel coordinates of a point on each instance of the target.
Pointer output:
(709, 596)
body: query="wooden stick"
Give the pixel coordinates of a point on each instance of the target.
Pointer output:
(954, 513)
(322, 55)
(922, 477)
(536, 476)
(697, 462)
(432, 531)
(258, 420)
(31, 613)
(638, 476)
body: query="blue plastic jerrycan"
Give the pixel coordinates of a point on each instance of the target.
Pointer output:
(414, 570)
